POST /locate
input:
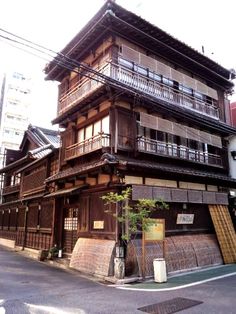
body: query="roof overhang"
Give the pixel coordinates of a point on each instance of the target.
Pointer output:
(112, 18)
(71, 191)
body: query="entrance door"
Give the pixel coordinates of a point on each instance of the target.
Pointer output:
(70, 224)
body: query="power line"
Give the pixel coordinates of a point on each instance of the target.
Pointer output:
(83, 69)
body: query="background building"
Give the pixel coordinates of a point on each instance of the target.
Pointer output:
(15, 103)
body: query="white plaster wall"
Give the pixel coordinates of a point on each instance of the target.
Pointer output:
(232, 162)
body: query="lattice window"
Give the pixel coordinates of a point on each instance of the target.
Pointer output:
(21, 217)
(6, 218)
(71, 221)
(35, 179)
(46, 215)
(33, 216)
(54, 166)
(13, 218)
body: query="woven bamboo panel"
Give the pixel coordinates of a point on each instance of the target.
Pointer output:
(225, 232)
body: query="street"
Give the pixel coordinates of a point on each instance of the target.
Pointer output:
(29, 286)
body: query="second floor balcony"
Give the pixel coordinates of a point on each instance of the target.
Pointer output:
(150, 146)
(89, 145)
(137, 81)
(11, 189)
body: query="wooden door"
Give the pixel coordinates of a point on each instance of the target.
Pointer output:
(70, 225)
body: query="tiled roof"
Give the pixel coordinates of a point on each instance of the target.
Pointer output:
(76, 170)
(175, 169)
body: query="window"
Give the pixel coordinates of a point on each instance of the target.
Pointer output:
(155, 76)
(126, 63)
(88, 131)
(80, 135)
(96, 128)
(106, 125)
(167, 81)
(186, 90)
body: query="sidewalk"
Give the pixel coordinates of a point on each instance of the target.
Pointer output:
(184, 280)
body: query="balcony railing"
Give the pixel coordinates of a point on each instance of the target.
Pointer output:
(178, 151)
(11, 189)
(161, 91)
(139, 82)
(94, 143)
(81, 90)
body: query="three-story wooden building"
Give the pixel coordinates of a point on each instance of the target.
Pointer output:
(140, 108)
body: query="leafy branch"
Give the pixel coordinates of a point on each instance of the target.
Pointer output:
(135, 216)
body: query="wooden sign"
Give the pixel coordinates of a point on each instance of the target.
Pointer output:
(185, 219)
(98, 224)
(156, 230)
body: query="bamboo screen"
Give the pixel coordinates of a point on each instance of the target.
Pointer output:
(225, 232)
(164, 125)
(167, 71)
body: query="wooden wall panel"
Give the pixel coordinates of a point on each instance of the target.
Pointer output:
(179, 195)
(32, 216)
(46, 214)
(21, 217)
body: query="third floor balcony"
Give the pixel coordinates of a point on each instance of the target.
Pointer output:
(150, 86)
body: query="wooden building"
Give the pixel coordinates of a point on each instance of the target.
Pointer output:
(26, 217)
(140, 108)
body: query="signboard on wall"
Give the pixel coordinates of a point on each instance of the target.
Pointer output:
(185, 219)
(156, 230)
(98, 224)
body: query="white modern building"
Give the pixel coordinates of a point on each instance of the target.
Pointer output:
(15, 103)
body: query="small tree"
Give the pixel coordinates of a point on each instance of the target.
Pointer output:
(135, 216)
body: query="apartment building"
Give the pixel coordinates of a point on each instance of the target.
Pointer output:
(15, 103)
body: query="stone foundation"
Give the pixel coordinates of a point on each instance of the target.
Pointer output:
(181, 253)
(94, 256)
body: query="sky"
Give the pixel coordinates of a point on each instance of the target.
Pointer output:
(53, 23)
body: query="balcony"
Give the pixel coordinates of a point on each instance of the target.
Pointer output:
(139, 82)
(92, 144)
(173, 150)
(83, 89)
(163, 92)
(11, 189)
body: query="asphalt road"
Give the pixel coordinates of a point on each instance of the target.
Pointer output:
(28, 286)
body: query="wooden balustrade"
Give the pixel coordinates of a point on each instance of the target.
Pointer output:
(11, 189)
(173, 150)
(139, 82)
(94, 143)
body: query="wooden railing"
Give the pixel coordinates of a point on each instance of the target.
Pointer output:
(94, 143)
(139, 82)
(11, 189)
(173, 150)
(84, 88)
(161, 91)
